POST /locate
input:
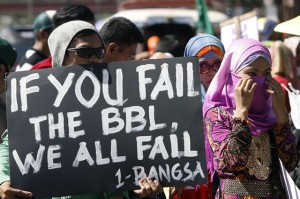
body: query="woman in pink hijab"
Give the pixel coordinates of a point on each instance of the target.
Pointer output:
(246, 125)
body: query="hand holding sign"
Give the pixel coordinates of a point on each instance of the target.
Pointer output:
(6, 191)
(149, 187)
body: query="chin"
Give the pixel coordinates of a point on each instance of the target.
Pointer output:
(206, 85)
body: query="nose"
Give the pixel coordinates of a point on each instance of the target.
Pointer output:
(211, 73)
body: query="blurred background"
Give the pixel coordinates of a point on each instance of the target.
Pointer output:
(24, 11)
(180, 16)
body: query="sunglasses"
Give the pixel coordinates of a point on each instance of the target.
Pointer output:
(87, 52)
(205, 67)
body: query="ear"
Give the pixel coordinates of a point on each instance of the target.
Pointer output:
(66, 60)
(44, 34)
(111, 47)
(3, 69)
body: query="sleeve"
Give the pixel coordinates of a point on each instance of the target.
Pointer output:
(286, 147)
(115, 194)
(229, 139)
(4, 158)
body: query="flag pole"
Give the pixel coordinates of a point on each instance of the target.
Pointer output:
(203, 23)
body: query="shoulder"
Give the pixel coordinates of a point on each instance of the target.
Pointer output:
(281, 80)
(36, 57)
(217, 112)
(46, 63)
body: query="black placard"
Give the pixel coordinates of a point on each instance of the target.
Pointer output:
(99, 128)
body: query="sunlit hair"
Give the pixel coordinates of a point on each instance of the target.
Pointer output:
(281, 60)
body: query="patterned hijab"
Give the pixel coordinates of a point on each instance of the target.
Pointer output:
(220, 93)
(204, 46)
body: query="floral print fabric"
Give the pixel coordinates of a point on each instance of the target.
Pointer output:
(234, 155)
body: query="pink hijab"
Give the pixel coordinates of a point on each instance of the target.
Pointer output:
(221, 90)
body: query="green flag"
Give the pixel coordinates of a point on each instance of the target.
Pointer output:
(203, 24)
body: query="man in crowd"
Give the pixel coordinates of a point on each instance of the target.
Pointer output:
(120, 37)
(42, 27)
(8, 56)
(65, 14)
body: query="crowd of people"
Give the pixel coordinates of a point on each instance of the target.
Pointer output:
(247, 127)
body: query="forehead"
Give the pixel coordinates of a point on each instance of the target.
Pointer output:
(86, 39)
(260, 64)
(210, 59)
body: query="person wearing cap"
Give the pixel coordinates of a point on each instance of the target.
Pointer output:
(8, 56)
(72, 43)
(268, 36)
(65, 14)
(42, 27)
(75, 42)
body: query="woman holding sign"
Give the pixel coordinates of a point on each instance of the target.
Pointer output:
(210, 52)
(246, 125)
